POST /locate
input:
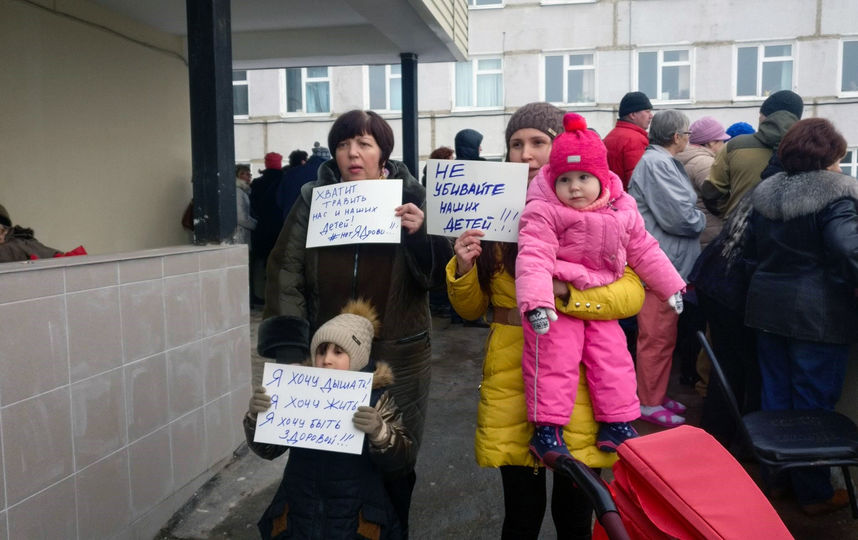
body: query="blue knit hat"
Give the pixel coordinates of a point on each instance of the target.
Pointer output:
(739, 128)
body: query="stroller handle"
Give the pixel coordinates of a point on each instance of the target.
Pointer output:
(595, 489)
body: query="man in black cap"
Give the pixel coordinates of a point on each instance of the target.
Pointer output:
(738, 166)
(628, 140)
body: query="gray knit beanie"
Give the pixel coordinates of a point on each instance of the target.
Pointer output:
(352, 330)
(538, 115)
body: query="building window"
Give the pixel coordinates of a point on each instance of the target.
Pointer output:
(762, 70)
(308, 90)
(239, 93)
(570, 78)
(479, 83)
(385, 87)
(849, 163)
(482, 3)
(849, 68)
(665, 75)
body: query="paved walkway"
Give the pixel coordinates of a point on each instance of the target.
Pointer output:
(454, 498)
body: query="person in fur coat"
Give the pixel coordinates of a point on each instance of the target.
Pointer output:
(580, 227)
(802, 243)
(335, 495)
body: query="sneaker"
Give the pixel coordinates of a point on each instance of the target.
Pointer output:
(547, 443)
(613, 434)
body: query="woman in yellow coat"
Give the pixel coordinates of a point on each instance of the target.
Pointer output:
(478, 280)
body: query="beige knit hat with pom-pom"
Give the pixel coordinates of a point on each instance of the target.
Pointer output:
(353, 330)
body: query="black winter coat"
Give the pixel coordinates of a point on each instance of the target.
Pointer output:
(331, 495)
(804, 245)
(268, 214)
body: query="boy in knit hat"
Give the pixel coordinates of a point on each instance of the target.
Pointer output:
(580, 226)
(334, 495)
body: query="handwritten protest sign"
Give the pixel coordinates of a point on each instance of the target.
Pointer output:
(485, 195)
(355, 212)
(313, 407)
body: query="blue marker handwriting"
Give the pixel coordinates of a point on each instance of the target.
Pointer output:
(469, 188)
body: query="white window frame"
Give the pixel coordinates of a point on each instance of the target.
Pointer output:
(562, 2)
(854, 163)
(840, 91)
(474, 73)
(472, 4)
(760, 61)
(388, 76)
(566, 67)
(305, 80)
(661, 64)
(242, 83)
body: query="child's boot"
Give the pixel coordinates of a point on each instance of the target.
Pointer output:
(613, 434)
(547, 443)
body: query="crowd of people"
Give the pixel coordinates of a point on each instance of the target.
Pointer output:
(666, 225)
(262, 204)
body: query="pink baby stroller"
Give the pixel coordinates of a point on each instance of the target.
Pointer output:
(678, 483)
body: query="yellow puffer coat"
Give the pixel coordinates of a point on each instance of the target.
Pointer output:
(503, 431)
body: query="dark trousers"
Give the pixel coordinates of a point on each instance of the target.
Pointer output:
(630, 329)
(400, 489)
(735, 347)
(687, 345)
(800, 375)
(524, 496)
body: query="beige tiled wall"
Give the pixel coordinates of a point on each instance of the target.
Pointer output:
(123, 380)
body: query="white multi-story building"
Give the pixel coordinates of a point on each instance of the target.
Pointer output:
(718, 57)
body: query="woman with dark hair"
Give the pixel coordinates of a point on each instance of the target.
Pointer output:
(307, 286)
(803, 241)
(480, 278)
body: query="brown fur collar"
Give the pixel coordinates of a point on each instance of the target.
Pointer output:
(383, 375)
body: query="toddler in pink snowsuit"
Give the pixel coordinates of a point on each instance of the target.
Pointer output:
(580, 227)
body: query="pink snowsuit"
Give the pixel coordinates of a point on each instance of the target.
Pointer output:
(586, 249)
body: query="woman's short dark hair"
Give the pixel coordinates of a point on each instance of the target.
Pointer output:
(240, 168)
(297, 157)
(811, 144)
(357, 122)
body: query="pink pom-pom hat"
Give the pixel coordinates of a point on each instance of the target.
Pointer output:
(579, 149)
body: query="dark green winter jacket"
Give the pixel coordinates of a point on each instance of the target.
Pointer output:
(307, 287)
(738, 165)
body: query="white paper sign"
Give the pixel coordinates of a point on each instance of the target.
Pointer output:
(485, 195)
(313, 407)
(354, 213)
